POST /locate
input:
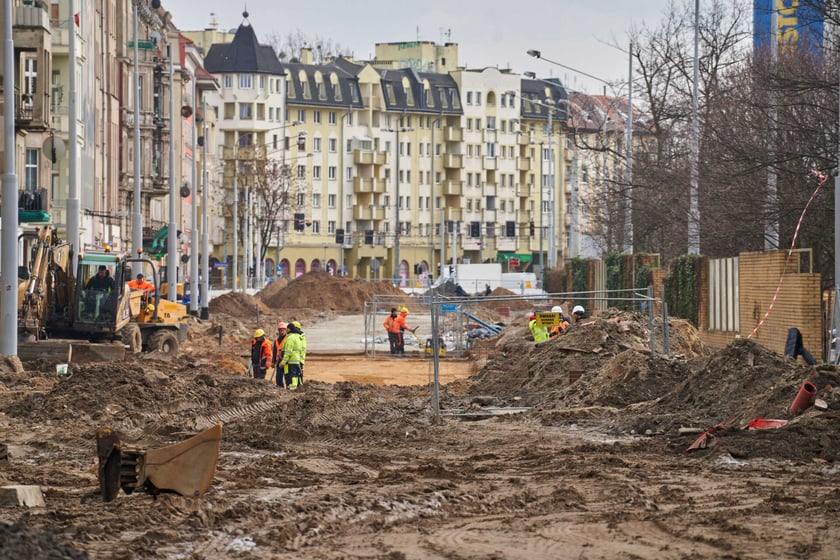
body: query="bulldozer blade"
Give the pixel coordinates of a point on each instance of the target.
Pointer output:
(187, 467)
(108, 450)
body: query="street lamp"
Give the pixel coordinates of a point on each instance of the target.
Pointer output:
(397, 130)
(628, 131)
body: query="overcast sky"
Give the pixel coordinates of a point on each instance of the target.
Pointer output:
(577, 33)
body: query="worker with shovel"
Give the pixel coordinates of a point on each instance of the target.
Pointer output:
(404, 327)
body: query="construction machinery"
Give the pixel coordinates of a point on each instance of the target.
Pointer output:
(187, 467)
(59, 310)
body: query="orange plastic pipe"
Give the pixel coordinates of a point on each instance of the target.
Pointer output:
(804, 400)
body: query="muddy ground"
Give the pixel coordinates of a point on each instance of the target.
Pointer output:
(597, 465)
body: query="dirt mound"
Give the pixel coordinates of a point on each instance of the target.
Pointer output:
(238, 304)
(319, 290)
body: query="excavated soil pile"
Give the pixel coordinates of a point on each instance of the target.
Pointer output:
(602, 372)
(319, 290)
(237, 304)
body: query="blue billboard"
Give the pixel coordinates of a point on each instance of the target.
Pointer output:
(799, 26)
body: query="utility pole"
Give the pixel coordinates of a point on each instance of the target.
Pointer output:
(137, 216)
(235, 212)
(205, 211)
(172, 250)
(9, 244)
(195, 281)
(73, 208)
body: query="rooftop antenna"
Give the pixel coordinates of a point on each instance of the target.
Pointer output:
(214, 23)
(418, 33)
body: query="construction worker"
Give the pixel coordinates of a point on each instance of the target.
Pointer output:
(293, 348)
(578, 313)
(260, 354)
(302, 334)
(102, 281)
(392, 327)
(403, 327)
(557, 330)
(140, 284)
(540, 334)
(277, 352)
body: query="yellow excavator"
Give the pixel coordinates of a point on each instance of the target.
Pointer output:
(59, 311)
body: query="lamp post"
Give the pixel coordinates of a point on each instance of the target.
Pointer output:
(628, 151)
(171, 252)
(397, 130)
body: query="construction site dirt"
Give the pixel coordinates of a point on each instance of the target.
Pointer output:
(586, 446)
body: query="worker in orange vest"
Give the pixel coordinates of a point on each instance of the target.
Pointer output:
(260, 354)
(392, 327)
(403, 327)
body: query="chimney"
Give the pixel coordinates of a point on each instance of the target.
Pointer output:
(306, 55)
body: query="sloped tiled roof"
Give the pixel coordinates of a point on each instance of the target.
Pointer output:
(244, 55)
(444, 99)
(535, 90)
(345, 92)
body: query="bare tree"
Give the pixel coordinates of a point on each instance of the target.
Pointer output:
(288, 47)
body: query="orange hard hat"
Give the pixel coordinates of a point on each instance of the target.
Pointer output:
(281, 325)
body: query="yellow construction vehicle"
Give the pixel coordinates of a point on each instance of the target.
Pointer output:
(92, 306)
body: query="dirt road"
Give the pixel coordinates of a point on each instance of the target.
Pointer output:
(354, 466)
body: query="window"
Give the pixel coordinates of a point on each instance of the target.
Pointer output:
(469, 98)
(469, 124)
(331, 117)
(301, 200)
(349, 146)
(331, 227)
(331, 200)
(333, 145)
(31, 169)
(316, 226)
(271, 113)
(490, 203)
(331, 172)
(228, 81)
(301, 115)
(230, 110)
(316, 172)
(491, 123)
(348, 201)
(316, 200)
(316, 144)
(262, 82)
(348, 174)
(437, 177)
(301, 173)
(246, 81)
(469, 150)
(316, 117)
(246, 111)
(478, 98)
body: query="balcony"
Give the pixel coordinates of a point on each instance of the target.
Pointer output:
(524, 191)
(525, 138)
(490, 163)
(523, 164)
(368, 185)
(453, 134)
(364, 157)
(452, 214)
(452, 188)
(32, 112)
(489, 134)
(453, 161)
(31, 17)
(368, 213)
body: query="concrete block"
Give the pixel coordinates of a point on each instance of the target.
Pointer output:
(21, 495)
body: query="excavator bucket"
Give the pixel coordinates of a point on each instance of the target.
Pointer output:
(186, 468)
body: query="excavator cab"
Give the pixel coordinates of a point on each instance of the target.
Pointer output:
(102, 304)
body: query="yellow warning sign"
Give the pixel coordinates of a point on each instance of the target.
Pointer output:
(548, 319)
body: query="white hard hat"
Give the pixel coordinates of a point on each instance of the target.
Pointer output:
(557, 309)
(578, 309)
